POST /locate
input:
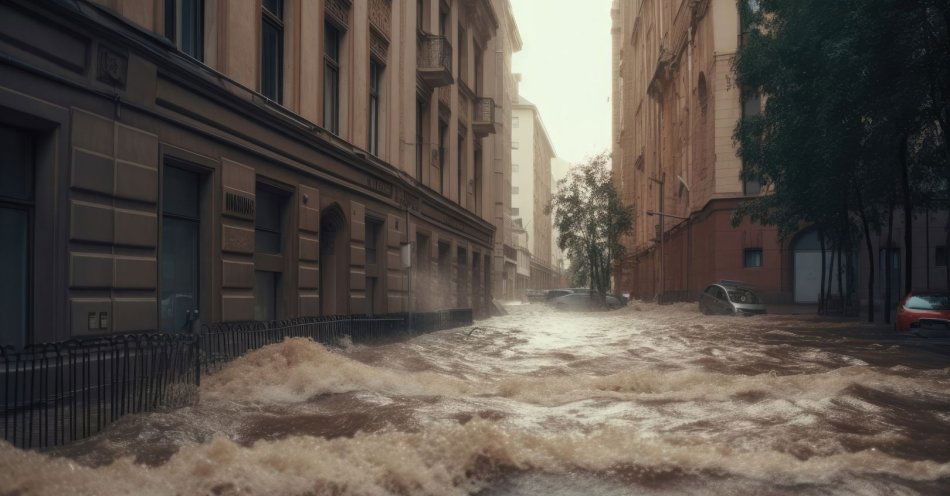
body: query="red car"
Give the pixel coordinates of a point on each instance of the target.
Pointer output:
(925, 313)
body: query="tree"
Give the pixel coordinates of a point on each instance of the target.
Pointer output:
(855, 120)
(578, 274)
(591, 220)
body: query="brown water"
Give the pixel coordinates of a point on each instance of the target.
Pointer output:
(645, 400)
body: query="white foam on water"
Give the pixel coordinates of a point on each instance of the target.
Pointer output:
(442, 460)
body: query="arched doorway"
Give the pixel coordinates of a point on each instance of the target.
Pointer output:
(334, 263)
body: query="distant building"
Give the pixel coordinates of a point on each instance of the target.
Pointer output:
(675, 108)
(531, 188)
(245, 160)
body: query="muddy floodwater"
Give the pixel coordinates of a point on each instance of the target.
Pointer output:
(644, 400)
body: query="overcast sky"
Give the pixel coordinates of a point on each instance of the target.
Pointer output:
(565, 67)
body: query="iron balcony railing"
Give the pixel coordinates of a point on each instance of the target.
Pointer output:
(435, 60)
(483, 122)
(52, 394)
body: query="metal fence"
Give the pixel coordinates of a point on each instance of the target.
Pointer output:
(52, 394)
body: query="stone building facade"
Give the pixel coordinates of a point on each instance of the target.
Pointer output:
(675, 108)
(248, 159)
(506, 244)
(532, 153)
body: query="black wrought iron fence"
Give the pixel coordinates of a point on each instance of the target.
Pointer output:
(222, 342)
(52, 394)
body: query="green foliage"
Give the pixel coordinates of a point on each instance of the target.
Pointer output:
(856, 115)
(591, 220)
(848, 84)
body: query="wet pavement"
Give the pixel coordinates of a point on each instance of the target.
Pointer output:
(643, 400)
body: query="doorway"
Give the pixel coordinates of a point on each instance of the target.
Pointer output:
(807, 260)
(334, 263)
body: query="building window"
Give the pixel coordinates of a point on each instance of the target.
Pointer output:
(477, 173)
(420, 15)
(184, 26)
(180, 262)
(420, 137)
(479, 55)
(375, 76)
(753, 258)
(515, 190)
(463, 54)
(515, 122)
(332, 42)
(515, 145)
(373, 228)
(268, 220)
(461, 167)
(272, 49)
(374, 291)
(514, 168)
(515, 212)
(443, 154)
(16, 230)
(269, 207)
(751, 107)
(940, 256)
(443, 20)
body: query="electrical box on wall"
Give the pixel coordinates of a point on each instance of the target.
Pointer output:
(91, 316)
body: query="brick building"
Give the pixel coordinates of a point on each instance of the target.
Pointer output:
(675, 109)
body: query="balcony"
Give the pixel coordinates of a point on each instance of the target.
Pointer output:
(483, 122)
(435, 60)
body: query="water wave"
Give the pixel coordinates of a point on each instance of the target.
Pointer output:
(299, 369)
(448, 459)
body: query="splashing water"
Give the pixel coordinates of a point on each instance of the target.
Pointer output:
(645, 400)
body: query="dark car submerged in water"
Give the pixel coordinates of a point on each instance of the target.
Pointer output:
(731, 298)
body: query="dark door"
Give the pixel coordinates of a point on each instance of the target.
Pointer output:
(16, 219)
(181, 222)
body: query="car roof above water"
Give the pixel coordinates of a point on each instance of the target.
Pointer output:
(729, 286)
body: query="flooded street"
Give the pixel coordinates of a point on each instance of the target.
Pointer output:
(644, 400)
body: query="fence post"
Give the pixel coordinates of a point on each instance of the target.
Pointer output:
(196, 346)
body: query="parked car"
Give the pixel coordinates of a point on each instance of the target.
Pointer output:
(730, 298)
(925, 313)
(535, 295)
(551, 294)
(583, 301)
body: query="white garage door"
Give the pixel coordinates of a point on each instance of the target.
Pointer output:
(807, 276)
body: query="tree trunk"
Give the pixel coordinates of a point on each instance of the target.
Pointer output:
(888, 263)
(821, 287)
(870, 248)
(946, 255)
(908, 221)
(844, 308)
(831, 279)
(591, 255)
